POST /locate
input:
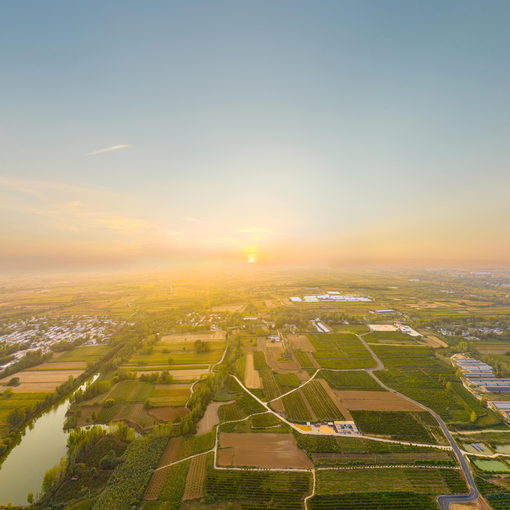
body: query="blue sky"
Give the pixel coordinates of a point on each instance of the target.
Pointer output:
(305, 131)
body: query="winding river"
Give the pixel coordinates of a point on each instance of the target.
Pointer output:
(41, 448)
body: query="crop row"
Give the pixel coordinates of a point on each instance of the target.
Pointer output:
(230, 412)
(398, 424)
(356, 380)
(128, 481)
(304, 359)
(498, 497)
(259, 360)
(374, 501)
(269, 384)
(322, 405)
(174, 485)
(326, 444)
(295, 407)
(261, 489)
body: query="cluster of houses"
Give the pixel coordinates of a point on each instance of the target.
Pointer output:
(342, 428)
(470, 334)
(332, 296)
(479, 378)
(195, 320)
(40, 333)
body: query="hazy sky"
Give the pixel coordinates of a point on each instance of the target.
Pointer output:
(277, 131)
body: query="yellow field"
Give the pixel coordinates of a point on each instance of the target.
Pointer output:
(40, 381)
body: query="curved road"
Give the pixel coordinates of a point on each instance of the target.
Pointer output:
(443, 501)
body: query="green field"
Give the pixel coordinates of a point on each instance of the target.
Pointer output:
(178, 353)
(320, 402)
(492, 466)
(414, 427)
(374, 501)
(259, 490)
(417, 373)
(350, 380)
(131, 391)
(168, 396)
(391, 337)
(295, 407)
(422, 481)
(340, 350)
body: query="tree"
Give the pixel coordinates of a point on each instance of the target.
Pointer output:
(16, 417)
(30, 498)
(109, 402)
(201, 346)
(165, 377)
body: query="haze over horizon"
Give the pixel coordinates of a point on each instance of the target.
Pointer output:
(275, 133)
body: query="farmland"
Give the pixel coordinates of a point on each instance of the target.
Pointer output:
(340, 350)
(321, 403)
(421, 481)
(264, 450)
(248, 432)
(285, 490)
(415, 427)
(374, 401)
(350, 380)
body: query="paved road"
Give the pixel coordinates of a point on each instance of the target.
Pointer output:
(443, 501)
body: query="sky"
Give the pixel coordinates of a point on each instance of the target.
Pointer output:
(290, 132)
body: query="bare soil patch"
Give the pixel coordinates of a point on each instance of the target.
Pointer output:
(278, 406)
(168, 413)
(210, 418)
(374, 401)
(171, 451)
(195, 481)
(274, 352)
(434, 342)
(382, 327)
(479, 504)
(251, 376)
(301, 343)
(261, 450)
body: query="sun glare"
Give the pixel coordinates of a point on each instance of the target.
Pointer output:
(250, 254)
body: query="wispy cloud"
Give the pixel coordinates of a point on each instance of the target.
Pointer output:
(108, 149)
(253, 230)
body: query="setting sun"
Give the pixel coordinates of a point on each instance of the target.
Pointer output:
(250, 254)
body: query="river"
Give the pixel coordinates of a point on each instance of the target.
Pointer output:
(41, 448)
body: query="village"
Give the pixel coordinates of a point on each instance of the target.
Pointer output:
(41, 333)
